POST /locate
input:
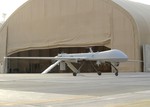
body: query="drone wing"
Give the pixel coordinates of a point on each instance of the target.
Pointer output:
(59, 60)
(41, 58)
(70, 59)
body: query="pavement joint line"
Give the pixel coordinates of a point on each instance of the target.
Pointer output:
(124, 95)
(41, 101)
(56, 98)
(138, 103)
(33, 102)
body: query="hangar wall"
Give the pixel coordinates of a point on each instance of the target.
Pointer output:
(141, 15)
(50, 23)
(45, 24)
(123, 37)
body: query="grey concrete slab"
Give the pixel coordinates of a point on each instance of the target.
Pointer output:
(84, 90)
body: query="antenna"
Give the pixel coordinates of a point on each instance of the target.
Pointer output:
(4, 16)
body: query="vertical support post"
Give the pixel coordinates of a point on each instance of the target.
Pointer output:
(5, 66)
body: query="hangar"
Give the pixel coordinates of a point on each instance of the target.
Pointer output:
(49, 27)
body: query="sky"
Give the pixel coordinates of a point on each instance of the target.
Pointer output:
(142, 1)
(9, 6)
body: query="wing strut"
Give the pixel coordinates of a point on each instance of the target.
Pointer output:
(51, 67)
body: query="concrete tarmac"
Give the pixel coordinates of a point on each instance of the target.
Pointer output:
(84, 90)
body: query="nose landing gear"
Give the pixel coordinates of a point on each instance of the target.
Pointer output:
(116, 70)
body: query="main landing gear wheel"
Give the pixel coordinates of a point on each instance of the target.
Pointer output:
(74, 74)
(116, 73)
(99, 73)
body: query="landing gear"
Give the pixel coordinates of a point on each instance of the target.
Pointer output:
(116, 73)
(74, 74)
(75, 71)
(99, 73)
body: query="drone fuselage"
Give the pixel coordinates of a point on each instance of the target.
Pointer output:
(106, 56)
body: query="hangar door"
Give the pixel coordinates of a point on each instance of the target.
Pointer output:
(146, 58)
(37, 66)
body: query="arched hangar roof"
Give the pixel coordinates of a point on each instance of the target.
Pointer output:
(141, 15)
